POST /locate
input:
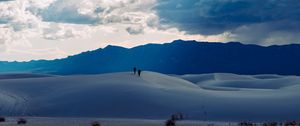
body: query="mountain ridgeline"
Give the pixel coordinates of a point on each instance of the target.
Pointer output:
(178, 57)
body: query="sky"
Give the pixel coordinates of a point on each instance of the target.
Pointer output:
(50, 29)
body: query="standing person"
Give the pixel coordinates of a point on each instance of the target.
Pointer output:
(139, 72)
(134, 70)
(180, 116)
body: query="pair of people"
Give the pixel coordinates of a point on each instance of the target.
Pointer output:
(138, 71)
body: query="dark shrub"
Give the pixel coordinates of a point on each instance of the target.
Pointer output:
(2, 119)
(21, 121)
(96, 123)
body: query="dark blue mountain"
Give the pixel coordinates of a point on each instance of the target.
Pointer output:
(178, 57)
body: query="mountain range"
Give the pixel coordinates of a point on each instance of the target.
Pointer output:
(177, 57)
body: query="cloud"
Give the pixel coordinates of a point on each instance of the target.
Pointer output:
(20, 19)
(5, 0)
(2, 45)
(16, 24)
(4, 37)
(137, 13)
(95, 12)
(14, 14)
(267, 33)
(69, 11)
(53, 19)
(65, 31)
(212, 17)
(65, 19)
(23, 55)
(134, 30)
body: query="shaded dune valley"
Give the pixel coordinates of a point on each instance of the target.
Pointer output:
(213, 97)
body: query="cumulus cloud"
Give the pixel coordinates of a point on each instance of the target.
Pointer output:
(134, 30)
(68, 11)
(95, 12)
(2, 44)
(14, 14)
(16, 24)
(4, 36)
(65, 31)
(52, 18)
(211, 17)
(5, 0)
(138, 13)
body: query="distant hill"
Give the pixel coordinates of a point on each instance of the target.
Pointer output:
(178, 57)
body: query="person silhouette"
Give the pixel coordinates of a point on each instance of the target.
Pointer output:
(134, 70)
(139, 72)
